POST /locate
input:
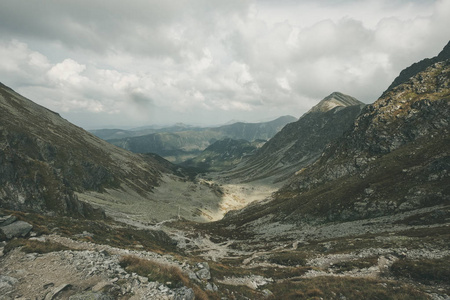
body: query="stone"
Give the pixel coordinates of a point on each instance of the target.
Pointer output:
(100, 286)
(7, 284)
(91, 296)
(16, 229)
(203, 274)
(6, 220)
(184, 293)
(56, 291)
(211, 287)
(267, 293)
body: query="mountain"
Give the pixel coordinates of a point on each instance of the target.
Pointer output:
(300, 143)
(109, 134)
(419, 67)
(394, 159)
(223, 154)
(47, 164)
(178, 146)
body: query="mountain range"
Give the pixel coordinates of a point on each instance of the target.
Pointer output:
(362, 210)
(180, 143)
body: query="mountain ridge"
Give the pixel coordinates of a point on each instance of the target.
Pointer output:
(45, 159)
(394, 159)
(300, 143)
(178, 146)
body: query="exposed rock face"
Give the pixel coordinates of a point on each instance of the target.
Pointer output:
(44, 159)
(301, 143)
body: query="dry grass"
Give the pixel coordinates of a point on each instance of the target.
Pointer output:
(172, 276)
(33, 246)
(428, 271)
(340, 287)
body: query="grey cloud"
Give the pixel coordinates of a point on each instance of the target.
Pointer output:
(148, 61)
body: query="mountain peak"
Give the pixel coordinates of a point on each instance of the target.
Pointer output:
(333, 100)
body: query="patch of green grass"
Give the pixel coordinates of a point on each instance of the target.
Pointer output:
(33, 246)
(426, 271)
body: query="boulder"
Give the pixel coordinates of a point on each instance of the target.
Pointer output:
(6, 220)
(16, 229)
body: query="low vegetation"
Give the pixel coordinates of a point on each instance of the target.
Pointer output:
(100, 232)
(34, 246)
(344, 288)
(428, 271)
(170, 275)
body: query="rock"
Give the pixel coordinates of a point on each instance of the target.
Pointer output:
(267, 293)
(211, 287)
(16, 229)
(184, 293)
(7, 284)
(6, 220)
(56, 291)
(100, 286)
(91, 296)
(203, 274)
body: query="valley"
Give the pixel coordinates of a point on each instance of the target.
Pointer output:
(350, 201)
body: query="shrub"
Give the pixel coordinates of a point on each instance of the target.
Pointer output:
(424, 270)
(33, 246)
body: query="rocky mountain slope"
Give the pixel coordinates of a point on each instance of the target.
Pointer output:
(395, 158)
(48, 164)
(178, 146)
(301, 143)
(419, 67)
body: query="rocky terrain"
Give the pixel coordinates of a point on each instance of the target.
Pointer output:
(366, 218)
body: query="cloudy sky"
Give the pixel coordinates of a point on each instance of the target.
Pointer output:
(139, 62)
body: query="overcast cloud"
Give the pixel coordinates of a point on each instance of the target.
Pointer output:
(131, 63)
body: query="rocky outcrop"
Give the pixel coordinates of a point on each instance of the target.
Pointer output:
(420, 66)
(10, 227)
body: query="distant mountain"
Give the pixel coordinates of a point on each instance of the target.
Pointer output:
(300, 143)
(223, 154)
(395, 158)
(178, 146)
(109, 134)
(45, 161)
